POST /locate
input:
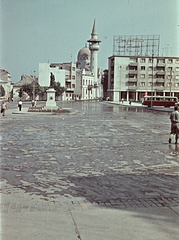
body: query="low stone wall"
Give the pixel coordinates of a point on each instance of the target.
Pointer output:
(40, 109)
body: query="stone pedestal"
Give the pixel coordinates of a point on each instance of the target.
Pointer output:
(50, 103)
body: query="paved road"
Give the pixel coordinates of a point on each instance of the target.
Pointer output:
(98, 156)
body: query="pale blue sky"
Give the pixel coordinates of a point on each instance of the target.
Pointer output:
(34, 31)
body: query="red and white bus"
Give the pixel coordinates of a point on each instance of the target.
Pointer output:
(164, 101)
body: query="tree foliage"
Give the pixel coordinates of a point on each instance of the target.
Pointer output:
(28, 88)
(2, 91)
(104, 81)
(59, 89)
(20, 92)
(39, 90)
(56, 85)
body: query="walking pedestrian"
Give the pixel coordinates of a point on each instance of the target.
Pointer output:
(174, 118)
(33, 102)
(3, 108)
(20, 105)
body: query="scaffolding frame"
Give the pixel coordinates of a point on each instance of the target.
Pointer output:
(136, 45)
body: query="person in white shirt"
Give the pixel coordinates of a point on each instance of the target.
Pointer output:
(3, 108)
(20, 105)
(174, 118)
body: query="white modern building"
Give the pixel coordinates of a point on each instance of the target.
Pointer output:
(5, 82)
(81, 79)
(132, 77)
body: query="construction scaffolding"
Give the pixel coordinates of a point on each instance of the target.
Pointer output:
(136, 45)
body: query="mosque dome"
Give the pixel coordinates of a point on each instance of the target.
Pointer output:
(84, 54)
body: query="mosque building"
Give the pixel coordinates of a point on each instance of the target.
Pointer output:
(81, 79)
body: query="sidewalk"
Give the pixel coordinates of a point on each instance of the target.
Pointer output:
(137, 104)
(99, 223)
(27, 217)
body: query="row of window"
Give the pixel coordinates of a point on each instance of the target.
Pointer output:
(150, 60)
(150, 84)
(142, 76)
(70, 86)
(68, 77)
(87, 82)
(143, 68)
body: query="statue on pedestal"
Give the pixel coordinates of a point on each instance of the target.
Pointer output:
(52, 80)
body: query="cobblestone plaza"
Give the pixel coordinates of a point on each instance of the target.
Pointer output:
(98, 156)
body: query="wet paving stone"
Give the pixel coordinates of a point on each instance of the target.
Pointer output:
(104, 154)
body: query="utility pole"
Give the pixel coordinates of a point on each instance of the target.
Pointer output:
(171, 72)
(33, 86)
(152, 80)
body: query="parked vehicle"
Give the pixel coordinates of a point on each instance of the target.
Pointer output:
(165, 101)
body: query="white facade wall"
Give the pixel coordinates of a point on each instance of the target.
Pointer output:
(120, 72)
(7, 88)
(88, 93)
(5, 81)
(44, 74)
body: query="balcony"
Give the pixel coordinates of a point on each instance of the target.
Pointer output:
(132, 88)
(159, 88)
(160, 72)
(160, 80)
(133, 64)
(133, 71)
(133, 80)
(69, 89)
(160, 64)
(68, 80)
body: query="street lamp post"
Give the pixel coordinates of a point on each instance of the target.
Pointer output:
(33, 86)
(120, 97)
(171, 72)
(152, 80)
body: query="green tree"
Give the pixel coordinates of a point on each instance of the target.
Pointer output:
(42, 91)
(2, 91)
(28, 88)
(104, 82)
(20, 92)
(59, 89)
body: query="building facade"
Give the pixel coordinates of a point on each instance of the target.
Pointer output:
(81, 79)
(25, 80)
(5, 82)
(132, 77)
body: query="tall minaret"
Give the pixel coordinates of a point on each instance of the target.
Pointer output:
(94, 47)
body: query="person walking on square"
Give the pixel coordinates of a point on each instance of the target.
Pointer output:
(20, 105)
(3, 108)
(33, 102)
(174, 118)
